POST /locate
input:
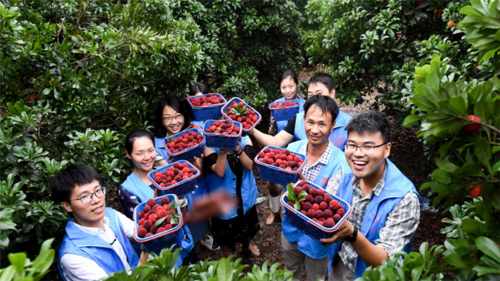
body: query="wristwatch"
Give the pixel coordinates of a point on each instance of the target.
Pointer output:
(352, 238)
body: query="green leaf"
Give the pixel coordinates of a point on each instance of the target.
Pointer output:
(459, 104)
(411, 120)
(445, 165)
(482, 270)
(483, 152)
(17, 260)
(160, 221)
(488, 247)
(496, 167)
(441, 176)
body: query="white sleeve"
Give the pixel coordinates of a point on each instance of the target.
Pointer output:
(128, 224)
(78, 268)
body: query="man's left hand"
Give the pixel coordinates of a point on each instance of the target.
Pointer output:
(344, 231)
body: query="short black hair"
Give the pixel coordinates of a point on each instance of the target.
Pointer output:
(131, 137)
(325, 103)
(197, 88)
(323, 78)
(370, 121)
(176, 104)
(63, 183)
(290, 74)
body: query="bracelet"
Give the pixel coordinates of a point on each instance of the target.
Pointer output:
(240, 152)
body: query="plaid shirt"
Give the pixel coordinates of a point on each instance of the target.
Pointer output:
(312, 171)
(400, 225)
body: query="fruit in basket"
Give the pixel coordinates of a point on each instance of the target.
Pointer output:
(316, 204)
(282, 159)
(207, 99)
(159, 219)
(174, 174)
(241, 113)
(223, 127)
(184, 141)
(284, 104)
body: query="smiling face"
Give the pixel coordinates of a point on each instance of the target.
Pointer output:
(318, 125)
(90, 214)
(319, 89)
(288, 88)
(143, 154)
(172, 120)
(364, 165)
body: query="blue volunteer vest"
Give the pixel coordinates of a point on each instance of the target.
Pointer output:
(227, 183)
(396, 187)
(137, 187)
(79, 243)
(282, 124)
(306, 244)
(338, 136)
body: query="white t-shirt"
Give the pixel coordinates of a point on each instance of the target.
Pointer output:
(79, 268)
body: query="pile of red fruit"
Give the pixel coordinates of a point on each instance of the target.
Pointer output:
(184, 141)
(223, 127)
(283, 104)
(207, 99)
(152, 214)
(280, 158)
(318, 205)
(176, 173)
(241, 113)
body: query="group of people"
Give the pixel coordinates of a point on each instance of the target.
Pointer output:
(347, 156)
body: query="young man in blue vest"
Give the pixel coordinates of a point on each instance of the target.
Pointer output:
(324, 160)
(97, 243)
(386, 205)
(319, 84)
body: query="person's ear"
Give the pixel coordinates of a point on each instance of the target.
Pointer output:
(128, 155)
(67, 207)
(387, 151)
(332, 93)
(333, 126)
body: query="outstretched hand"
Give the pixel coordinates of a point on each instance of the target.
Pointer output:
(344, 231)
(215, 204)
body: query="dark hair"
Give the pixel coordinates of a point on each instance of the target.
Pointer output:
(325, 103)
(131, 137)
(323, 78)
(63, 183)
(370, 121)
(197, 88)
(289, 73)
(176, 104)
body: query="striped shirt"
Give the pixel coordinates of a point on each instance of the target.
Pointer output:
(311, 171)
(400, 225)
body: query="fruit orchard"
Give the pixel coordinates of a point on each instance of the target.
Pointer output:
(76, 77)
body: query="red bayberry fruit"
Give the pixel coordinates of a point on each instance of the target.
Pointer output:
(313, 192)
(320, 192)
(341, 211)
(307, 206)
(475, 190)
(141, 232)
(302, 183)
(147, 224)
(318, 199)
(319, 214)
(291, 204)
(160, 230)
(162, 213)
(327, 224)
(152, 218)
(327, 213)
(168, 226)
(141, 214)
(297, 190)
(147, 209)
(141, 221)
(311, 213)
(336, 217)
(164, 200)
(151, 203)
(323, 205)
(315, 207)
(334, 205)
(310, 199)
(149, 234)
(153, 229)
(303, 212)
(474, 127)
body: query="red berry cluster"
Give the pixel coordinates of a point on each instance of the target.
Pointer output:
(284, 104)
(176, 173)
(319, 206)
(207, 99)
(281, 158)
(241, 113)
(153, 212)
(473, 127)
(223, 127)
(185, 141)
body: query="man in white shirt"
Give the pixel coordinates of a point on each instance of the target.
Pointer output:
(97, 243)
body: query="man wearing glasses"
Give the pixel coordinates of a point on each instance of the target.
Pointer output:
(386, 206)
(97, 243)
